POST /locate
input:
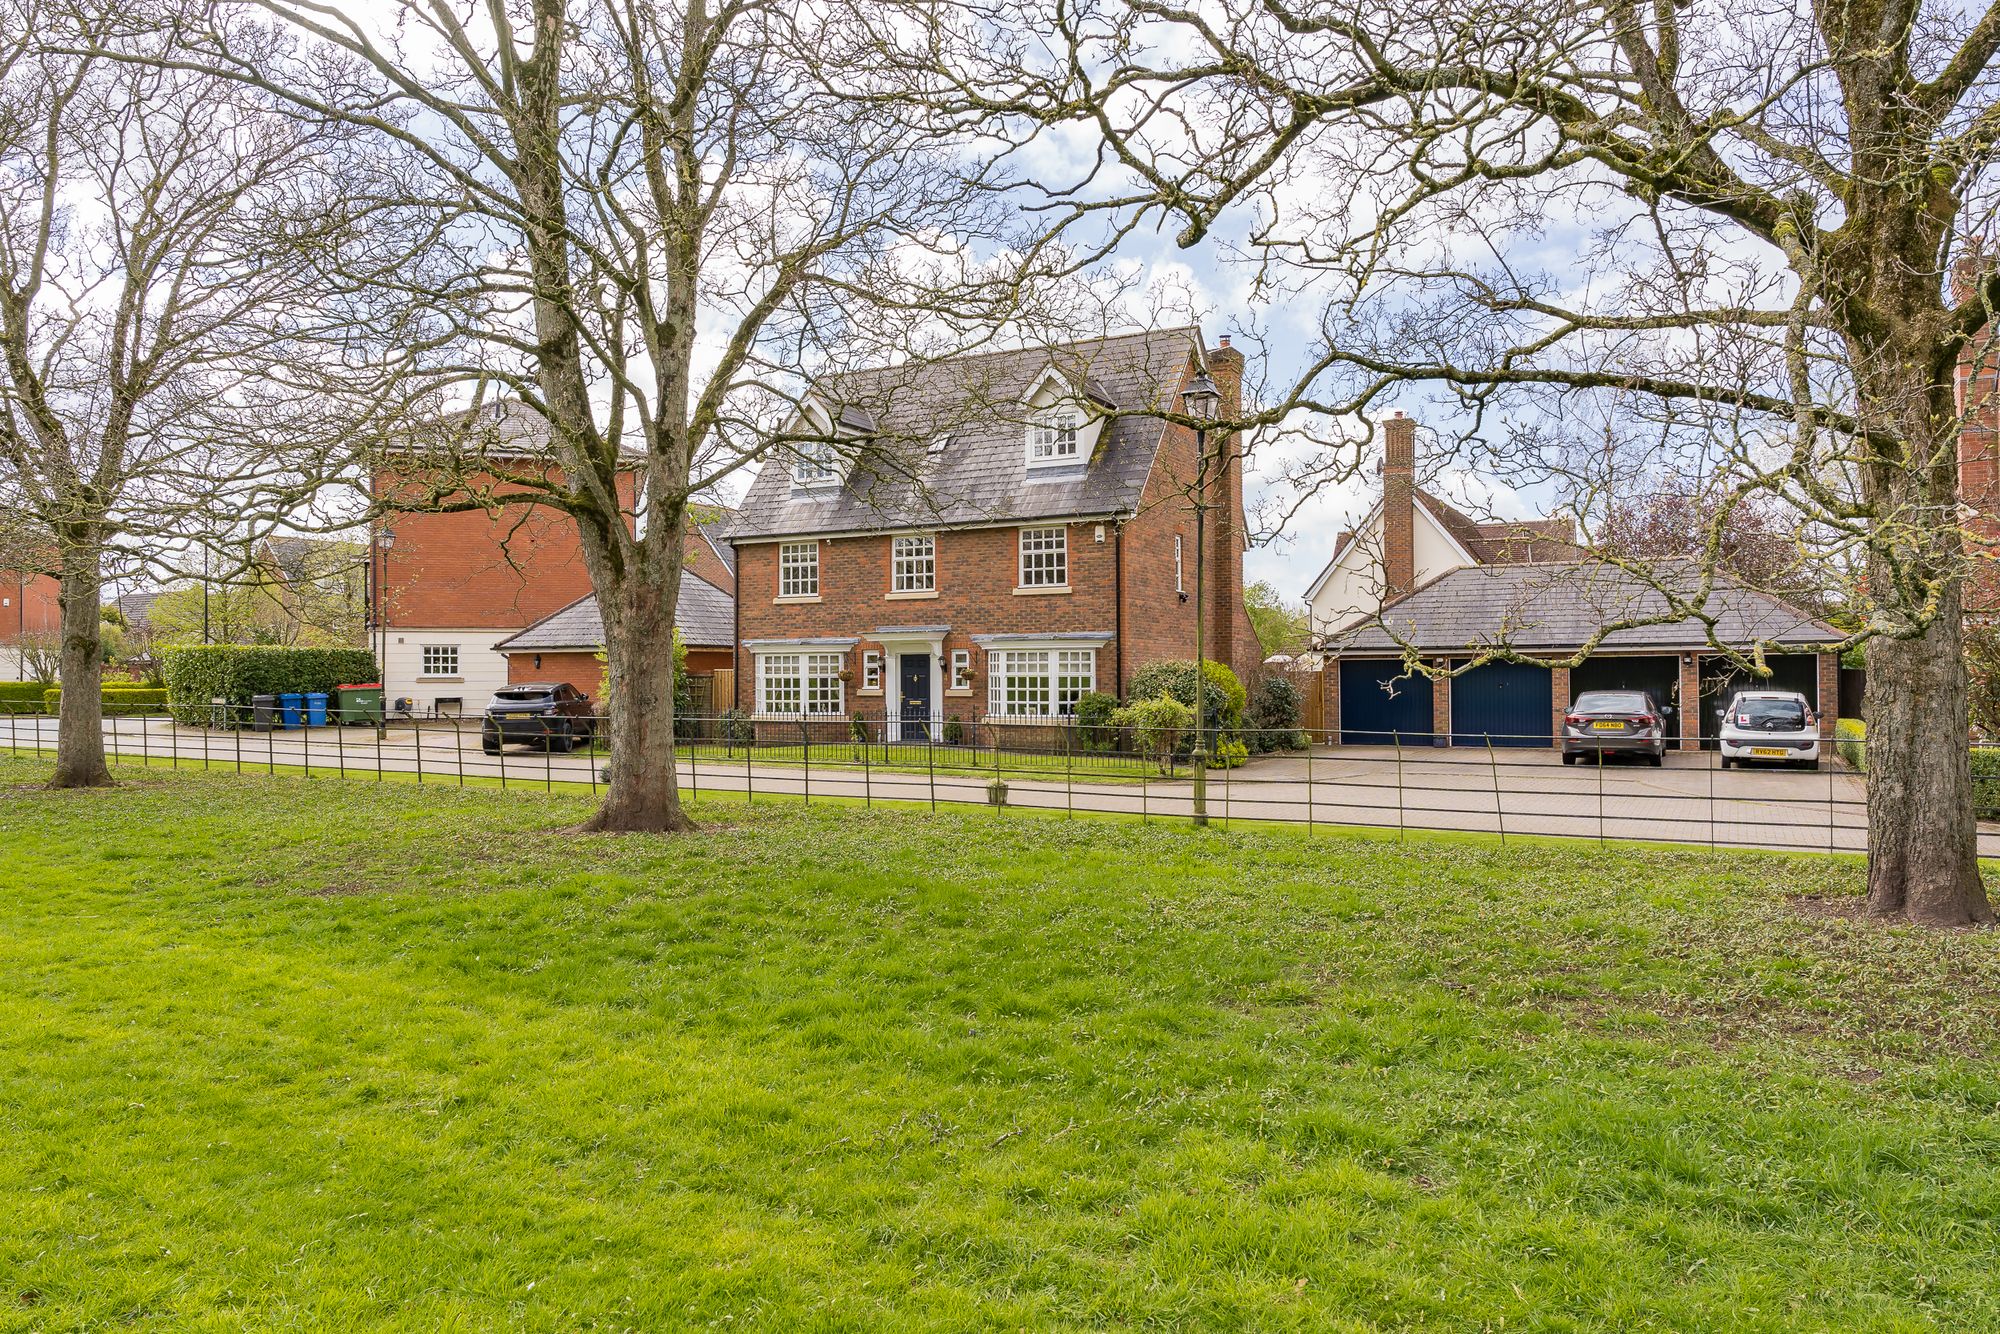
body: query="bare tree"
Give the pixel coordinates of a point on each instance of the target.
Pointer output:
(674, 219)
(1719, 229)
(169, 349)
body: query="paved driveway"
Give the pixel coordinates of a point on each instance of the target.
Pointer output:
(1690, 800)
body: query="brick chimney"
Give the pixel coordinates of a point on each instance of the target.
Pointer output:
(1228, 623)
(1399, 499)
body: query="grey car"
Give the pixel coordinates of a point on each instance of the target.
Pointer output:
(1615, 722)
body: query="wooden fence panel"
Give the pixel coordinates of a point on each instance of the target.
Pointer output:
(1313, 691)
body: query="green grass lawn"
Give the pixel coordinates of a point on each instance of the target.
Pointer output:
(290, 1054)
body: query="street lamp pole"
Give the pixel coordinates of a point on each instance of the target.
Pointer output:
(385, 539)
(1199, 399)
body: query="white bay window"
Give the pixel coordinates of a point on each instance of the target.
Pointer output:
(1038, 682)
(800, 683)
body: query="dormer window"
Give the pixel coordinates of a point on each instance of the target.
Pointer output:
(816, 464)
(1054, 436)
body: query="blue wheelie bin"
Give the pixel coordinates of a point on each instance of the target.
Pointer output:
(315, 709)
(291, 710)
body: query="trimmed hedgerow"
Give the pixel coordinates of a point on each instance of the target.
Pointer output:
(21, 696)
(198, 673)
(117, 700)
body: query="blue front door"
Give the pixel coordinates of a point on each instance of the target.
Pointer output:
(914, 672)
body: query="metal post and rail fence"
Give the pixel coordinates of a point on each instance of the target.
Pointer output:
(1507, 786)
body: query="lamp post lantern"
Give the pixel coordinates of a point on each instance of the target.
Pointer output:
(1199, 400)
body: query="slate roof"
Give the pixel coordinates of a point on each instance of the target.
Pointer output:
(980, 475)
(1560, 605)
(136, 607)
(705, 616)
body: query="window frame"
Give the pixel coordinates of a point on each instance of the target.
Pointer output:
(796, 683)
(424, 672)
(1055, 436)
(806, 570)
(1052, 557)
(961, 670)
(1038, 684)
(1180, 578)
(815, 464)
(871, 671)
(921, 566)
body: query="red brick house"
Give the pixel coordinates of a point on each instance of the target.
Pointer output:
(446, 588)
(29, 608)
(991, 537)
(1978, 390)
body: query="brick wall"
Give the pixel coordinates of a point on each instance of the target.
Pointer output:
(1829, 694)
(1690, 718)
(581, 670)
(1558, 702)
(1979, 467)
(1441, 706)
(586, 672)
(501, 568)
(31, 605)
(701, 560)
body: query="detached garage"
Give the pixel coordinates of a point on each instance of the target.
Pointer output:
(1549, 610)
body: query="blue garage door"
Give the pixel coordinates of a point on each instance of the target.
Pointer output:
(1506, 702)
(1378, 704)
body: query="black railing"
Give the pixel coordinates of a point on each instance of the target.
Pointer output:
(1490, 787)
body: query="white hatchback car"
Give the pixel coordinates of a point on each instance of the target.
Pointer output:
(1769, 727)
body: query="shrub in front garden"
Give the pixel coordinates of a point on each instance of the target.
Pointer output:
(1156, 726)
(1094, 731)
(1228, 755)
(1276, 709)
(1222, 695)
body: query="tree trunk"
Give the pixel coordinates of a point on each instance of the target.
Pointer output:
(80, 727)
(1923, 861)
(644, 794)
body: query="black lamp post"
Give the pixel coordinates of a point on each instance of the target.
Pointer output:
(385, 538)
(1199, 400)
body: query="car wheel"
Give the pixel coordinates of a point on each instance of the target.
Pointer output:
(1569, 757)
(1656, 760)
(1726, 761)
(1810, 766)
(490, 747)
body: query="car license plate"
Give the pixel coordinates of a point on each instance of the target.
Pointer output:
(1607, 727)
(517, 715)
(1769, 752)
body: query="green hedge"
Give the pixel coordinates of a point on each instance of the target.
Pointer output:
(21, 696)
(1850, 742)
(1986, 782)
(116, 700)
(1850, 736)
(197, 673)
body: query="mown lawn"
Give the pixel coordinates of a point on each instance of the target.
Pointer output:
(290, 1054)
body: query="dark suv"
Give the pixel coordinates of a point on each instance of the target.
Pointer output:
(555, 716)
